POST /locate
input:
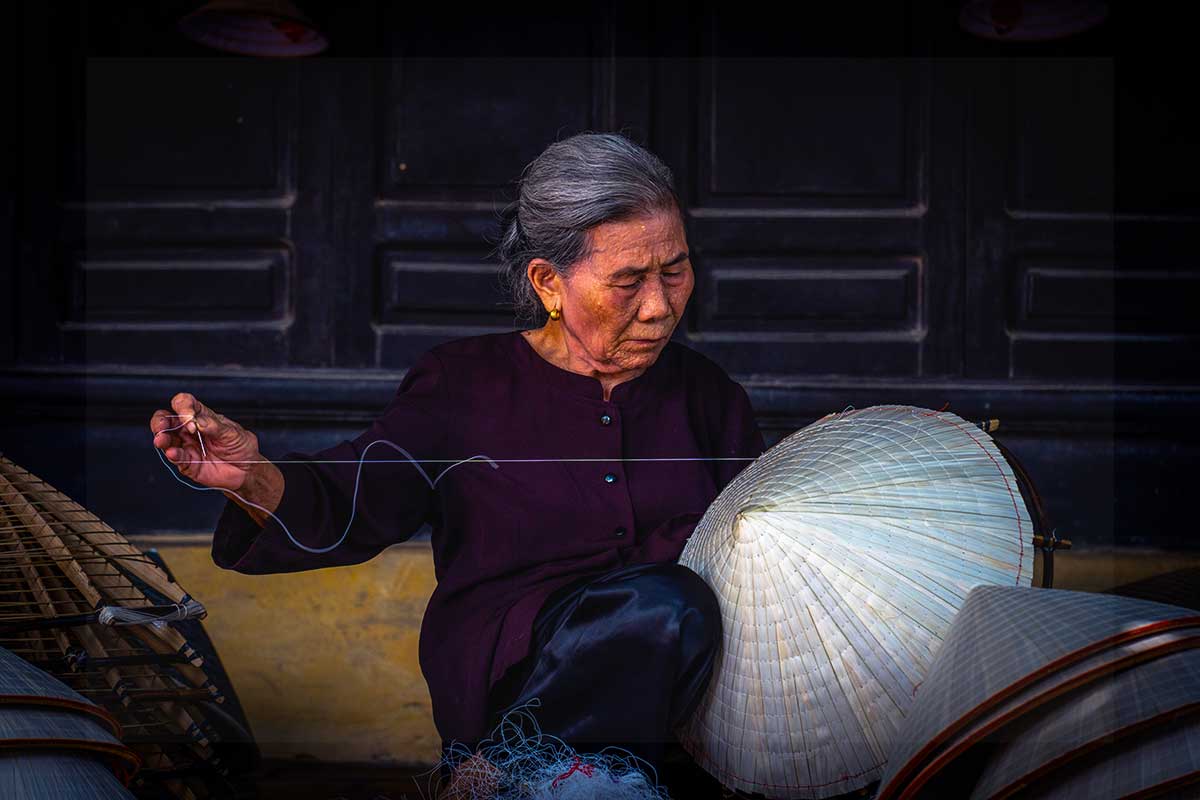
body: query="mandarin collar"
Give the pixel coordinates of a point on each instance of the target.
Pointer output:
(586, 386)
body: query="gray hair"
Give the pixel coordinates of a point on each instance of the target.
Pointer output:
(573, 186)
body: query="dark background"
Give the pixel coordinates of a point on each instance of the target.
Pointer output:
(881, 209)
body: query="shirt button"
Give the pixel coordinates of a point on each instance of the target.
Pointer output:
(619, 531)
(610, 478)
(605, 420)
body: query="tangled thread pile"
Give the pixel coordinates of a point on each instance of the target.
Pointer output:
(510, 765)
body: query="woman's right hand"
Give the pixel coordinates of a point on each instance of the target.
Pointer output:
(205, 446)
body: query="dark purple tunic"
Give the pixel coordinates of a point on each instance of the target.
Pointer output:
(505, 537)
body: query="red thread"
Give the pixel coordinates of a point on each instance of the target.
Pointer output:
(578, 766)
(1007, 486)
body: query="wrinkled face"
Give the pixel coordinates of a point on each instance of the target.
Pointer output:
(622, 301)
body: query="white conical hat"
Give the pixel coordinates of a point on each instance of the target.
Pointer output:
(839, 558)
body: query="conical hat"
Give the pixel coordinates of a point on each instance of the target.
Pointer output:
(1130, 703)
(1161, 764)
(31, 726)
(839, 558)
(1004, 641)
(57, 775)
(38, 711)
(23, 684)
(1078, 682)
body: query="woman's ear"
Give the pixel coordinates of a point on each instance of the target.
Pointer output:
(546, 282)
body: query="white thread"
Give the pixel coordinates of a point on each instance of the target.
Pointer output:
(358, 474)
(120, 615)
(353, 501)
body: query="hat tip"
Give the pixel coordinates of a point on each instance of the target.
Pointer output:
(741, 528)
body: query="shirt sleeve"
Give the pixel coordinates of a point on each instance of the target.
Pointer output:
(737, 436)
(390, 498)
(740, 436)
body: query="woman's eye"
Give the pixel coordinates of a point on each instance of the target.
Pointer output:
(675, 274)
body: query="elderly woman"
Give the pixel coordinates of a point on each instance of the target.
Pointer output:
(601, 444)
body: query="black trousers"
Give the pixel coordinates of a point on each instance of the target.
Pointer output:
(617, 659)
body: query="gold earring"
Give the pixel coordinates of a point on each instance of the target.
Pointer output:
(556, 315)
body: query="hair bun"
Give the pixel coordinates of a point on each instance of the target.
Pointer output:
(512, 236)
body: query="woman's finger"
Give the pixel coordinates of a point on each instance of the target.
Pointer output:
(164, 440)
(180, 451)
(186, 459)
(210, 420)
(168, 430)
(172, 429)
(219, 428)
(207, 420)
(189, 409)
(164, 421)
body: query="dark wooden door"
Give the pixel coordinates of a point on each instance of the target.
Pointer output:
(283, 238)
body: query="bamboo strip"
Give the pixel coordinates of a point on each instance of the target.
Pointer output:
(52, 545)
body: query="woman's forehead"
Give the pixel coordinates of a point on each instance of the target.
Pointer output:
(649, 238)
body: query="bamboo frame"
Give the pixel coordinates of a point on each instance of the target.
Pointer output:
(60, 563)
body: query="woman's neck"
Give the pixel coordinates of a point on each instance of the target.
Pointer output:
(551, 344)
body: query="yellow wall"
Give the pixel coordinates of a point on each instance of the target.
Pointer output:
(325, 662)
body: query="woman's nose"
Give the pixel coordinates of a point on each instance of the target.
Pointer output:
(655, 302)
